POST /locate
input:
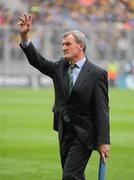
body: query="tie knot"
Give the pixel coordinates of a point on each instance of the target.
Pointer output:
(72, 66)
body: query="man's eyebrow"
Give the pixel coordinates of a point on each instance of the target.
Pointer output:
(67, 42)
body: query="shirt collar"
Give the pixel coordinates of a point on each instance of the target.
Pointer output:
(81, 62)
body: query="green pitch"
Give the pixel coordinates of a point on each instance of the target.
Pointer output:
(29, 146)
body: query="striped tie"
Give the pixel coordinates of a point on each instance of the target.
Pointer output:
(70, 76)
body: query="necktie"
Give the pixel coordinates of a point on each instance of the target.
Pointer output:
(70, 76)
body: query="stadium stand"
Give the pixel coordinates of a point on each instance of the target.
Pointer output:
(108, 24)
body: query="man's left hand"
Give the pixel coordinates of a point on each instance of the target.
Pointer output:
(104, 151)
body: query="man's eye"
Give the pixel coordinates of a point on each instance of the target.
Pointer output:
(68, 44)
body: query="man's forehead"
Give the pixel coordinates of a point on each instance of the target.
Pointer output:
(69, 37)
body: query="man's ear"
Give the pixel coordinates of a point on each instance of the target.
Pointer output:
(82, 46)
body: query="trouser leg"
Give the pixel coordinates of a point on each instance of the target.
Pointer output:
(76, 161)
(65, 145)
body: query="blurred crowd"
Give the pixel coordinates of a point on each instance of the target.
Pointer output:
(72, 13)
(111, 41)
(108, 25)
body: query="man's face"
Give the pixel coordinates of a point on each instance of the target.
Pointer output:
(71, 49)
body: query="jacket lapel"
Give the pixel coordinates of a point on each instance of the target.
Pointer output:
(65, 77)
(82, 75)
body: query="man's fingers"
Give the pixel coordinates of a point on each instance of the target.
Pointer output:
(30, 18)
(26, 17)
(29, 25)
(24, 24)
(21, 19)
(103, 151)
(20, 23)
(103, 158)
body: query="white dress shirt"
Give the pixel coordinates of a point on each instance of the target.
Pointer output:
(78, 68)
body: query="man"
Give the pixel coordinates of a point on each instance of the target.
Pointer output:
(81, 113)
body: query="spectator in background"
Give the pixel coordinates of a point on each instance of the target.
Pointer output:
(45, 11)
(122, 47)
(1, 44)
(102, 47)
(112, 73)
(73, 14)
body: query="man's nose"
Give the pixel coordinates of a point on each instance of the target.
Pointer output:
(64, 48)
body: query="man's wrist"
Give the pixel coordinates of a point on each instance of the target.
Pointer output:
(24, 36)
(25, 43)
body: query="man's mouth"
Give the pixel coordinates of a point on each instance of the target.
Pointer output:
(65, 53)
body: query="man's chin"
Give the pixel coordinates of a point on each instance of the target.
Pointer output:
(68, 58)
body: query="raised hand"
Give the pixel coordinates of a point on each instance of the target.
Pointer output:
(25, 23)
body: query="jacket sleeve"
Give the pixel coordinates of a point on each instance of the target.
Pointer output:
(101, 102)
(35, 59)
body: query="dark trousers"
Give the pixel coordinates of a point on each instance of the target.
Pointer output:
(74, 155)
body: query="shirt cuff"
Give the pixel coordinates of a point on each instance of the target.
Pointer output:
(25, 43)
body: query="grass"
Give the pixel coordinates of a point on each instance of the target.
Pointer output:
(29, 146)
